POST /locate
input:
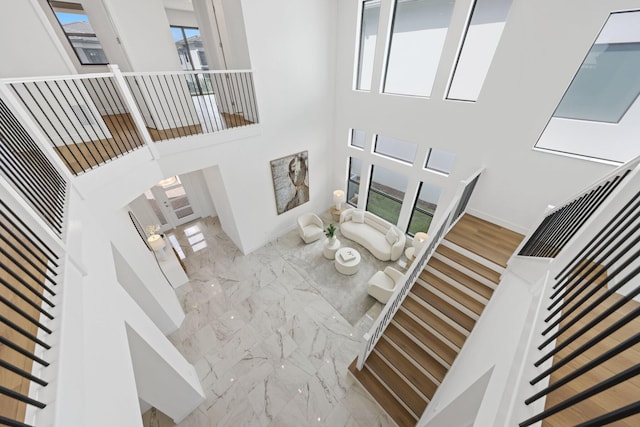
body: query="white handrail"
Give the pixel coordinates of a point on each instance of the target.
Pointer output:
(446, 222)
(616, 171)
(10, 80)
(168, 73)
(630, 167)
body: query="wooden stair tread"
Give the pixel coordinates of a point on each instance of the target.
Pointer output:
(378, 391)
(454, 293)
(443, 307)
(396, 383)
(468, 263)
(406, 368)
(428, 317)
(417, 353)
(471, 283)
(487, 240)
(425, 337)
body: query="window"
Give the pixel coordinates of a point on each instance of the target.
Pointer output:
(598, 115)
(419, 30)
(368, 34)
(440, 161)
(353, 184)
(192, 57)
(357, 138)
(425, 206)
(386, 193)
(606, 84)
(479, 45)
(396, 149)
(76, 26)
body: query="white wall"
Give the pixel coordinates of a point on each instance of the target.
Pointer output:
(500, 129)
(29, 53)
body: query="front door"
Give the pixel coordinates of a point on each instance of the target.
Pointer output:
(171, 204)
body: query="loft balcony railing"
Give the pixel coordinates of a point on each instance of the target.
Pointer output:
(30, 172)
(561, 224)
(451, 215)
(588, 368)
(30, 273)
(91, 119)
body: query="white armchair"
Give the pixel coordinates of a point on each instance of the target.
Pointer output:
(310, 227)
(383, 283)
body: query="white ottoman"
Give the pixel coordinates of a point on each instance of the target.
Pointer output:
(347, 261)
(331, 246)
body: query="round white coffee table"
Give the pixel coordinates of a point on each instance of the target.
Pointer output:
(347, 261)
(331, 246)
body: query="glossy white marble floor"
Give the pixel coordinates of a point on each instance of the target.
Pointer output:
(268, 348)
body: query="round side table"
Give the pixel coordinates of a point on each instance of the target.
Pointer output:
(349, 263)
(331, 246)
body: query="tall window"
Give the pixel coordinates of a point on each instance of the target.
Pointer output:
(599, 113)
(606, 85)
(353, 184)
(440, 161)
(386, 193)
(479, 45)
(76, 26)
(192, 57)
(419, 30)
(368, 34)
(396, 149)
(357, 138)
(425, 206)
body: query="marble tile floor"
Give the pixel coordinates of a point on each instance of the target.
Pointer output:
(268, 348)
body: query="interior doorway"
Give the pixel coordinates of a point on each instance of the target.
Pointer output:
(170, 203)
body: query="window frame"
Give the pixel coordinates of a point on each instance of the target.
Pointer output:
(76, 8)
(388, 196)
(360, 44)
(416, 208)
(350, 181)
(436, 170)
(388, 156)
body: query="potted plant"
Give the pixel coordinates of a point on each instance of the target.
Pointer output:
(330, 232)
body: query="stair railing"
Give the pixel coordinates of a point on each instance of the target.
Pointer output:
(561, 224)
(31, 276)
(447, 220)
(591, 317)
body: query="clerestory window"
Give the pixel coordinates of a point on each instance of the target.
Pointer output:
(78, 30)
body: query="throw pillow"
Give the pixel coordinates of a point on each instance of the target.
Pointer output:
(391, 236)
(357, 216)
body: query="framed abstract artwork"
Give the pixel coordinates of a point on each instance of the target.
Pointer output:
(290, 176)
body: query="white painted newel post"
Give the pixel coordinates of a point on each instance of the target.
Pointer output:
(129, 100)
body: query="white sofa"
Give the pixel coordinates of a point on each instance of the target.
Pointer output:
(383, 239)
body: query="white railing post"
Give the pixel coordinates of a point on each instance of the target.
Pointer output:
(130, 102)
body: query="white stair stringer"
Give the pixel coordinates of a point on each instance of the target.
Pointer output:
(455, 284)
(477, 258)
(472, 274)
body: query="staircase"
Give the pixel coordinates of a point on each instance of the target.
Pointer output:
(428, 331)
